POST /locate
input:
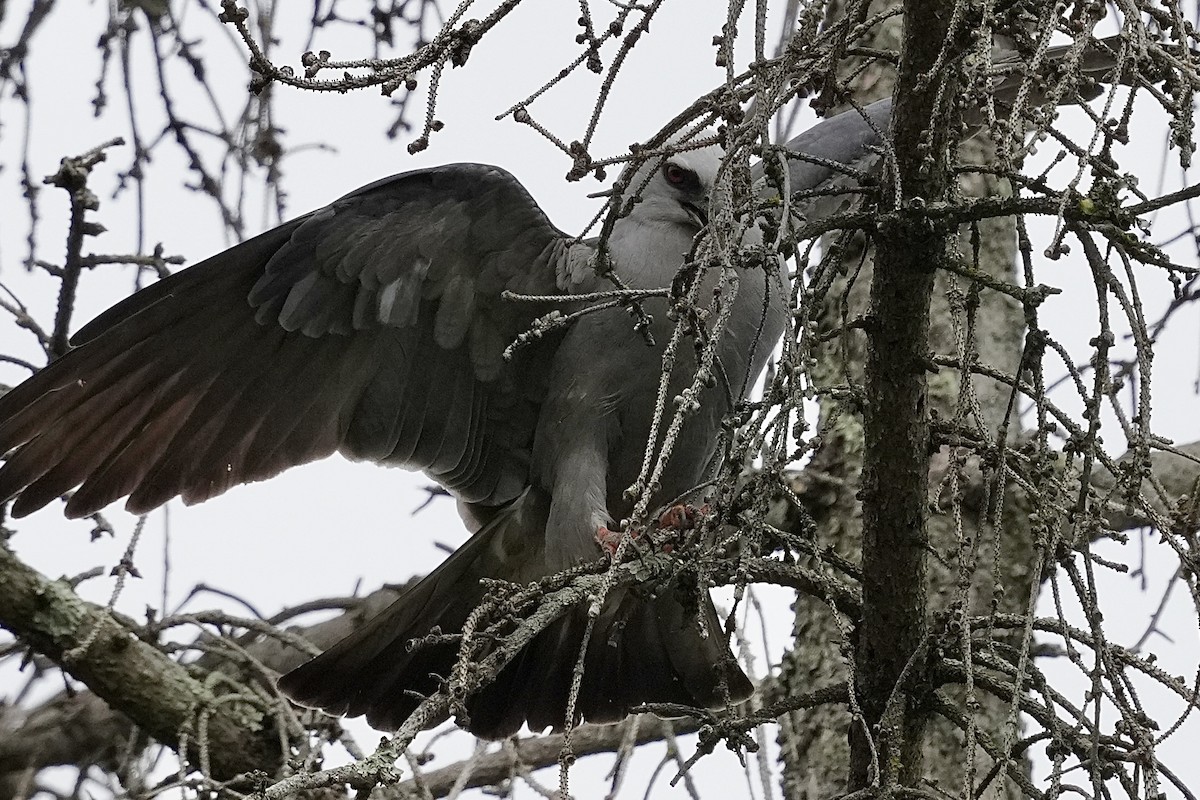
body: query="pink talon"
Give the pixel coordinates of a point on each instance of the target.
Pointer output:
(683, 517)
(608, 540)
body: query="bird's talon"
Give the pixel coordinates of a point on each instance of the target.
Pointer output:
(684, 517)
(610, 540)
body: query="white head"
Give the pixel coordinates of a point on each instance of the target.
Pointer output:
(678, 188)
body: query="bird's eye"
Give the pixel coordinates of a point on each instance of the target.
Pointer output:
(675, 174)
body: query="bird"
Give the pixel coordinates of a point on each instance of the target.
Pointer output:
(377, 327)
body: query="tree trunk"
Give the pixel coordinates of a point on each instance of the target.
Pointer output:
(965, 556)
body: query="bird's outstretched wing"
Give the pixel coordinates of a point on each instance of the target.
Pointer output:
(373, 326)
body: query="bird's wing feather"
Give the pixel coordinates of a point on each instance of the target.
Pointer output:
(852, 138)
(374, 326)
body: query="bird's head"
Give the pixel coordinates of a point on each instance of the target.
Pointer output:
(676, 189)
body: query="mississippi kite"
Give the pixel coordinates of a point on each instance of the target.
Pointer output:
(375, 327)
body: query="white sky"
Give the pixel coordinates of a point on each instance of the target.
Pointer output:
(323, 529)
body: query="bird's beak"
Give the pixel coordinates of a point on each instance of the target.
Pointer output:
(698, 214)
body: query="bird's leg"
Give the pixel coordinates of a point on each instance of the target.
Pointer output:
(679, 518)
(684, 517)
(609, 540)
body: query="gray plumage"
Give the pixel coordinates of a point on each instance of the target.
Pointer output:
(840, 149)
(375, 327)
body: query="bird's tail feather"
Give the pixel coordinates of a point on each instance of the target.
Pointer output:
(643, 647)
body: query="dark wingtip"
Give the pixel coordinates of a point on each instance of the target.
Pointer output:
(315, 684)
(9, 492)
(25, 502)
(300, 685)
